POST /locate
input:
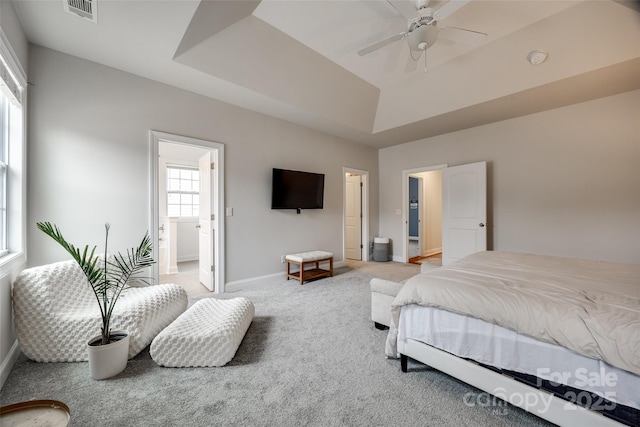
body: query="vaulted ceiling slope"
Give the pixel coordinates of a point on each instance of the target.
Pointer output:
(298, 59)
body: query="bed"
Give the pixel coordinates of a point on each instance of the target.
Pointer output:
(551, 335)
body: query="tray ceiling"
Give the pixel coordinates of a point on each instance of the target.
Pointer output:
(297, 60)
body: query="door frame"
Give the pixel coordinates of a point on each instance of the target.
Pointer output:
(420, 225)
(405, 203)
(365, 211)
(155, 137)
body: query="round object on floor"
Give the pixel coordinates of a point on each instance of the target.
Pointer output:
(35, 412)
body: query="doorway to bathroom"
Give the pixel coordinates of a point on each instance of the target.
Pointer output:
(187, 210)
(463, 213)
(424, 239)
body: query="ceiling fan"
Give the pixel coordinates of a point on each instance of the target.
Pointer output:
(422, 26)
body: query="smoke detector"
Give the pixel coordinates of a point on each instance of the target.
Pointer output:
(87, 9)
(536, 57)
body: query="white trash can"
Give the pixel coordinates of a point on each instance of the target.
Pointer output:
(381, 249)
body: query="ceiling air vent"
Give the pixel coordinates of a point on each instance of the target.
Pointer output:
(84, 8)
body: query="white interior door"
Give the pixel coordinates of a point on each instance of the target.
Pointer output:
(353, 217)
(464, 211)
(205, 224)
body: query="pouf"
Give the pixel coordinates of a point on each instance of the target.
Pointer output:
(207, 334)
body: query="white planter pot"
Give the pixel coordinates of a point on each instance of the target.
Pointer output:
(106, 361)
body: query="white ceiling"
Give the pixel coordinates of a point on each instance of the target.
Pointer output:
(297, 59)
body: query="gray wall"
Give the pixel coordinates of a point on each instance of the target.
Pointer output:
(563, 182)
(89, 163)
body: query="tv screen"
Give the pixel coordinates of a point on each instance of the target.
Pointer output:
(297, 190)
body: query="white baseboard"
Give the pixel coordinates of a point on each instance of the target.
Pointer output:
(434, 251)
(8, 362)
(236, 285)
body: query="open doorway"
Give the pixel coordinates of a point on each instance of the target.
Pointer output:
(356, 214)
(422, 206)
(425, 217)
(186, 211)
(463, 210)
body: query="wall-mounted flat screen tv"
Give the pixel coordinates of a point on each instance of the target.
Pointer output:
(297, 190)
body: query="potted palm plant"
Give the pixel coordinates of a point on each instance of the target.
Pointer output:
(107, 277)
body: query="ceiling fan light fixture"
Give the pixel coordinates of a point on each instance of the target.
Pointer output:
(422, 37)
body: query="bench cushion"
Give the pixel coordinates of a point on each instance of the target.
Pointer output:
(309, 256)
(207, 334)
(383, 292)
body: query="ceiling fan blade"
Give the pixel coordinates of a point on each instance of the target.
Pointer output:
(435, 4)
(383, 9)
(445, 41)
(367, 50)
(462, 35)
(450, 7)
(406, 8)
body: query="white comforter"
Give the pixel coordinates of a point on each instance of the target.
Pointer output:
(590, 307)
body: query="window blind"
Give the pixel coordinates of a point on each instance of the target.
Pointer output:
(9, 84)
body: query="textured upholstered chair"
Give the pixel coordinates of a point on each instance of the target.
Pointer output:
(56, 313)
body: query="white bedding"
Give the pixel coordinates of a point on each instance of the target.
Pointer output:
(590, 307)
(502, 348)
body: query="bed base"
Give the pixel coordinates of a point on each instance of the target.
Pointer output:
(538, 402)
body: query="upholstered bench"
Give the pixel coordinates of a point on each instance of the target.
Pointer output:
(383, 292)
(207, 334)
(305, 258)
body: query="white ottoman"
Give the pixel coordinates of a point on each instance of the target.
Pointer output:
(207, 334)
(383, 292)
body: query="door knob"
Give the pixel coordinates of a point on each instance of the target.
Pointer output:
(198, 226)
(481, 224)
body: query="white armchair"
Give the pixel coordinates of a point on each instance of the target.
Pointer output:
(56, 312)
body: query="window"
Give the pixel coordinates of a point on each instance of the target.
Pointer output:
(12, 163)
(183, 191)
(4, 168)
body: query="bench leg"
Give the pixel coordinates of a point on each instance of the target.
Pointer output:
(317, 272)
(301, 272)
